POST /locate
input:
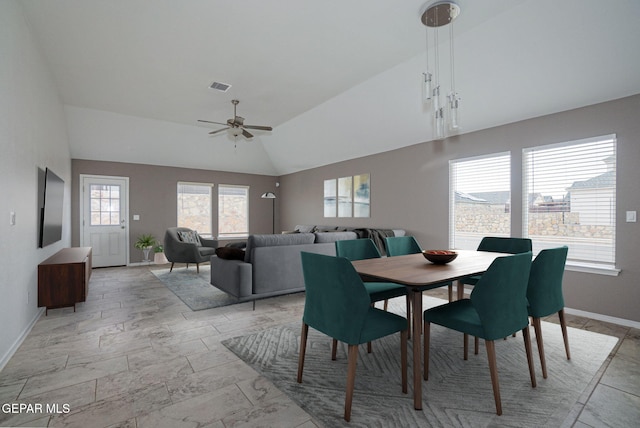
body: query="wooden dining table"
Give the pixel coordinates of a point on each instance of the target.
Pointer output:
(418, 274)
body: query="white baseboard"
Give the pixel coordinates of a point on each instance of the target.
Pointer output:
(592, 315)
(605, 318)
(12, 350)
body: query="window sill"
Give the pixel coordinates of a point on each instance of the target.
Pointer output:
(592, 268)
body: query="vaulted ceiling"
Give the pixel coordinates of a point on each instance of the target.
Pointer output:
(337, 79)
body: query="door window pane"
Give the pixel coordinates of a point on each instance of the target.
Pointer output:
(105, 204)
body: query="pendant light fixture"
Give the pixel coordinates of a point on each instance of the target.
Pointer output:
(439, 14)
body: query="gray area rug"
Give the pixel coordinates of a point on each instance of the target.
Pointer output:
(194, 289)
(458, 393)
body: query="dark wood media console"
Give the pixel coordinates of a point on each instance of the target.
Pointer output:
(63, 279)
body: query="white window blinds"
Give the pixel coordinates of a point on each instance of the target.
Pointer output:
(479, 199)
(195, 206)
(569, 198)
(233, 211)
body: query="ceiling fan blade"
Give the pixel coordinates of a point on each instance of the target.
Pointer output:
(258, 127)
(218, 130)
(247, 134)
(208, 121)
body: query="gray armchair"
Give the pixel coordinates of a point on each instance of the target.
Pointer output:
(178, 250)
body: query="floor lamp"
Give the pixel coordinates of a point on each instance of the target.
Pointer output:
(272, 196)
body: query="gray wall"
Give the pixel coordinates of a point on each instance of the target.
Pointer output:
(153, 196)
(32, 136)
(409, 189)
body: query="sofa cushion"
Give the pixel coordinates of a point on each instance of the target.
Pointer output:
(255, 241)
(323, 237)
(230, 253)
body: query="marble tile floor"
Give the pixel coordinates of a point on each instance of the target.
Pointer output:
(134, 355)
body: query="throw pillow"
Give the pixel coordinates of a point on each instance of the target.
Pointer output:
(230, 253)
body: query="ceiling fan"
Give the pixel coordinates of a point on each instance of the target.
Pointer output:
(236, 125)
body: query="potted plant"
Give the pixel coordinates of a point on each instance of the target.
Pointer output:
(145, 243)
(159, 258)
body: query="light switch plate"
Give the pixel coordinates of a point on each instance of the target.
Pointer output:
(12, 218)
(631, 216)
(136, 217)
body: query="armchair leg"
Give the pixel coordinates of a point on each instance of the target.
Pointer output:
(493, 368)
(334, 349)
(351, 380)
(171, 268)
(475, 345)
(197, 267)
(303, 349)
(563, 326)
(527, 347)
(386, 305)
(537, 327)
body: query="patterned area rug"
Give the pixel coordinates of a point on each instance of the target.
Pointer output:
(194, 289)
(458, 393)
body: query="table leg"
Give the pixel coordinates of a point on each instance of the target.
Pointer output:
(417, 359)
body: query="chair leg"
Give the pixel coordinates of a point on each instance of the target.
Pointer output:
(527, 347)
(537, 327)
(334, 349)
(303, 349)
(460, 289)
(171, 268)
(466, 346)
(425, 353)
(351, 380)
(475, 344)
(369, 348)
(197, 267)
(408, 316)
(403, 358)
(386, 304)
(493, 368)
(563, 326)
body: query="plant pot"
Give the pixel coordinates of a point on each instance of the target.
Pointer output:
(160, 259)
(146, 251)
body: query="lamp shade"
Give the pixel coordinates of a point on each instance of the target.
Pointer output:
(268, 195)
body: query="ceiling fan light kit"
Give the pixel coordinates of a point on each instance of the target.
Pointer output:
(439, 14)
(236, 125)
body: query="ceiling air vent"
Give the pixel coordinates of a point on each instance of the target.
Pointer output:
(219, 86)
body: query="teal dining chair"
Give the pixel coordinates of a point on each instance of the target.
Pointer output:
(496, 244)
(544, 294)
(403, 245)
(362, 249)
(338, 305)
(496, 308)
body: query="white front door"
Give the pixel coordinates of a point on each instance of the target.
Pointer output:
(103, 216)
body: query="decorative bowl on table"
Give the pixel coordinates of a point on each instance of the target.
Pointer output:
(439, 257)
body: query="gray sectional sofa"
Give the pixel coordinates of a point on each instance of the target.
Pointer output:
(271, 265)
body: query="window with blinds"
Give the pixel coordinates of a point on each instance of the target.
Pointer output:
(195, 206)
(570, 199)
(479, 199)
(233, 211)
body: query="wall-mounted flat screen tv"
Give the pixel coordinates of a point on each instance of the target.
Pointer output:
(51, 209)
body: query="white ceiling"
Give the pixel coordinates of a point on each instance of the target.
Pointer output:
(337, 79)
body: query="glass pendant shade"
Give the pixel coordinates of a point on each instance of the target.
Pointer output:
(426, 86)
(439, 123)
(454, 112)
